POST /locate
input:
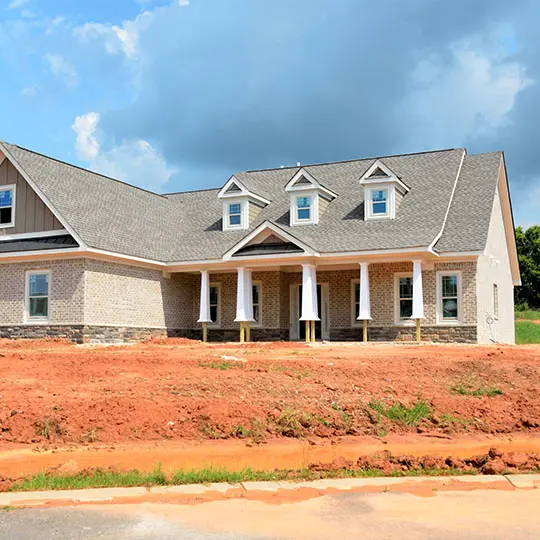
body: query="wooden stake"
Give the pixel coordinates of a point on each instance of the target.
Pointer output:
(205, 332)
(418, 335)
(313, 335)
(365, 330)
(242, 339)
(248, 332)
(308, 326)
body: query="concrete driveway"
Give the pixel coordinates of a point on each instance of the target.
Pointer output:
(475, 515)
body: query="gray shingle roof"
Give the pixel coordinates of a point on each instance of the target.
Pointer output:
(468, 221)
(114, 216)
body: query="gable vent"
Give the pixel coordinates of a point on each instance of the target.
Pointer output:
(233, 189)
(378, 173)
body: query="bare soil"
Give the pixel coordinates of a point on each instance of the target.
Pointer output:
(54, 393)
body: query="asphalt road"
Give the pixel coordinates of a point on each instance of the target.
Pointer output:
(483, 514)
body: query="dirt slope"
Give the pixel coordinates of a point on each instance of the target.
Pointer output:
(57, 393)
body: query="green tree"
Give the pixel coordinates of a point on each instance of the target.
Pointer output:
(528, 248)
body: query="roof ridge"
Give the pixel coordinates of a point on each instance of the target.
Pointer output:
(190, 191)
(351, 160)
(85, 169)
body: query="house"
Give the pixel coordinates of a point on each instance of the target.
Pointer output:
(416, 246)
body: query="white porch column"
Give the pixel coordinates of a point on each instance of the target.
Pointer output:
(244, 296)
(309, 293)
(204, 308)
(418, 295)
(244, 303)
(364, 313)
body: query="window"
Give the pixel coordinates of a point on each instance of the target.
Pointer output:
(496, 300)
(7, 206)
(405, 297)
(379, 202)
(37, 295)
(355, 302)
(448, 297)
(215, 304)
(235, 215)
(257, 303)
(303, 208)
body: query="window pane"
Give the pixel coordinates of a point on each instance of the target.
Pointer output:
(405, 309)
(357, 293)
(39, 285)
(449, 286)
(39, 307)
(5, 215)
(234, 208)
(213, 313)
(303, 202)
(6, 198)
(304, 213)
(405, 287)
(234, 219)
(256, 313)
(255, 294)
(378, 195)
(379, 208)
(214, 295)
(450, 308)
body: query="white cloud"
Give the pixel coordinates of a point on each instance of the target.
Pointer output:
(183, 3)
(134, 161)
(14, 4)
(124, 38)
(30, 91)
(472, 97)
(62, 69)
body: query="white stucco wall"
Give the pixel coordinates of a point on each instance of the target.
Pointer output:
(494, 268)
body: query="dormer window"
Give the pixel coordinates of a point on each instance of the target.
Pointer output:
(309, 198)
(240, 205)
(383, 191)
(303, 208)
(379, 202)
(235, 215)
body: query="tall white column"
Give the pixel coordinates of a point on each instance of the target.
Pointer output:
(309, 293)
(364, 313)
(204, 309)
(244, 296)
(418, 295)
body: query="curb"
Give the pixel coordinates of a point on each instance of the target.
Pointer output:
(224, 490)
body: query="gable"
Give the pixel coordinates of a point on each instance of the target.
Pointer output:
(378, 173)
(31, 213)
(234, 188)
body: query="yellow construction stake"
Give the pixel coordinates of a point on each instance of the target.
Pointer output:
(205, 332)
(308, 337)
(418, 335)
(248, 332)
(365, 330)
(313, 336)
(242, 332)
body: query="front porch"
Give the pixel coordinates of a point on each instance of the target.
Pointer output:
(271, 304)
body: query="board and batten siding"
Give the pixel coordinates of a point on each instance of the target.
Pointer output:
(31, 213)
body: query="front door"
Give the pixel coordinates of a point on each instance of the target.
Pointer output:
(298, 327)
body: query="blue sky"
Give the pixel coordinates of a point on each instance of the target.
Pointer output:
(174, 95)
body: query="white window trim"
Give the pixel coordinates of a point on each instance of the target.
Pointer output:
(354, 312)
(312, 195)
(438, 292)
(259, 324)
(390, 201)
(217, 324)
(244, 217)
(397, 320)
(36, 320)
(12, 187)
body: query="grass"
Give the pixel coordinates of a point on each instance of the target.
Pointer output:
(397, 412)
(527, 332)
(103, 478)
(222, 366)
(528, 314)
(463, 390)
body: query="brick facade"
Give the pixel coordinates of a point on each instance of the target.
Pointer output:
(93, 300)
